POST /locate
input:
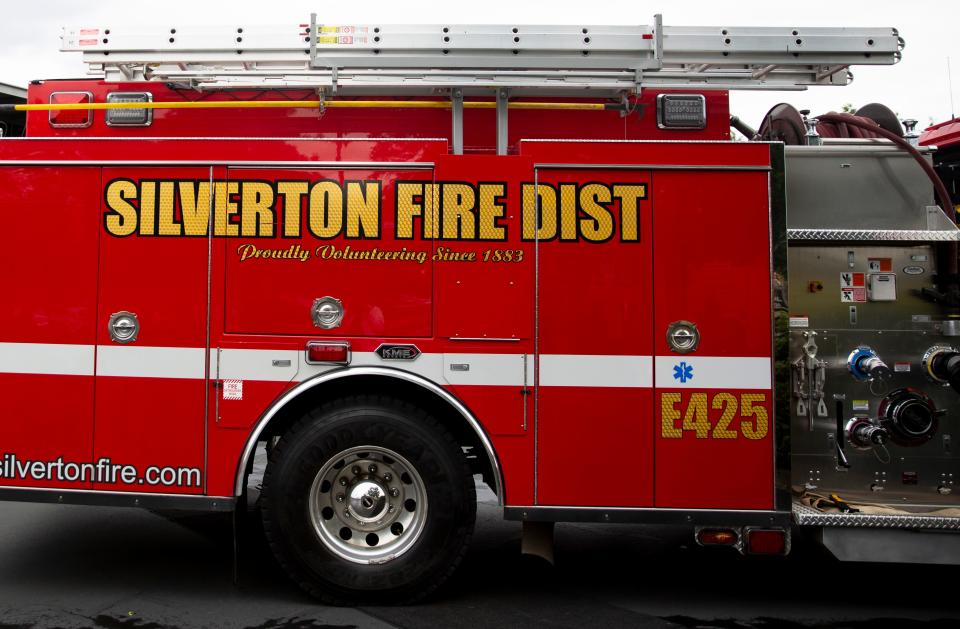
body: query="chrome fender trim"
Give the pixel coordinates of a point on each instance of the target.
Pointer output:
(337, 374)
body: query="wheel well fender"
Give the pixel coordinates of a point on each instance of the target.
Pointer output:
(394, 382)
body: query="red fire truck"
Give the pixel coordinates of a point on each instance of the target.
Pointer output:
(396, 258)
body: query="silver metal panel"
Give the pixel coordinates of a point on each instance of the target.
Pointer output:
(900, 331)
(892, 545)
(858, 188)
(503, 121)
(456, 121)
(806, 516)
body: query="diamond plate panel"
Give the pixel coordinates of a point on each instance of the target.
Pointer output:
(875, 235)
(807, 516)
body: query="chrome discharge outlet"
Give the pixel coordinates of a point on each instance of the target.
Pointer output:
(941, 364)
(864, 434)
(864, 364)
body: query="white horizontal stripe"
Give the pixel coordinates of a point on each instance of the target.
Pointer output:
(134, 361)
(713, 372)
(574, 370)
(503, 370)
(256, 364)
(556, 370)
(46, 358)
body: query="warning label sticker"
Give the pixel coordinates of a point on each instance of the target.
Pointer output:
(883, 265)
(233, 389)
(853, 288)
(850, 280)
(853, 295)
(799, 321)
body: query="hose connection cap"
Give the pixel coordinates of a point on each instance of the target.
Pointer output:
(865, 365)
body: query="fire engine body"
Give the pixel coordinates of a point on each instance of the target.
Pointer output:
(580, 306)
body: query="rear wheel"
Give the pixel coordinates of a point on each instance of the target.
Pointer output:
(368, 500)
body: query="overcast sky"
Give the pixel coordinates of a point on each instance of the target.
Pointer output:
(917, 87)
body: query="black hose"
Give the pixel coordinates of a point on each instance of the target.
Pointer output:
(946, 366)
(743, 127)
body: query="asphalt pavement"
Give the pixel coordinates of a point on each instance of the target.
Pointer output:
(71, 567)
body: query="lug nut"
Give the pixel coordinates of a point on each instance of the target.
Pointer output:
(372, 468)
(343, 482)
(346, 514)
(388, 477)
(340, 498)
(390, 509)
(394, 492)
(356, 470)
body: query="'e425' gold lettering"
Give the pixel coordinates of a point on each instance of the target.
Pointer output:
(744, 415)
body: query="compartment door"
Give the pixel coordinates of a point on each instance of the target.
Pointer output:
(328, 232)
(714, 439)
(49, 287)
(150, 389)
(595, 325)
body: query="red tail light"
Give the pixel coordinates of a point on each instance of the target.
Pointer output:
(328, 353)
(71, 117)
(767, 542)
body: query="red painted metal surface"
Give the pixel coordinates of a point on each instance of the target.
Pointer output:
(49, 287)
(942, 135)
(496, 300)
(479, 124)
(595, 287)
(717, 274)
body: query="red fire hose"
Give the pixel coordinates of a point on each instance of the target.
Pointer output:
(945, 203)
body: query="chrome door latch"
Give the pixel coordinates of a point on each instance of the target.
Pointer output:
(123, 327)
(683, 337)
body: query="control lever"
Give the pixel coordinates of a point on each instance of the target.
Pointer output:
(841, 455)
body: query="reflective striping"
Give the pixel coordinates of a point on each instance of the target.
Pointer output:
(502, 370)
(286, 365)
(136, 361)
(46, 358)
(575, 370)
(268, 365)
(712, 372)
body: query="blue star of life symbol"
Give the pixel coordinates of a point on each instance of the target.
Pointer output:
(683, 372)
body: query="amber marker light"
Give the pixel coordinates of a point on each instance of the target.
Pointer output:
(717, 537)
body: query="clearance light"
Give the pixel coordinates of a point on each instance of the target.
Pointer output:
(328, 353)
(129, 117)
(67, 118)
(717, 537)
(681, 111)
(767, 542)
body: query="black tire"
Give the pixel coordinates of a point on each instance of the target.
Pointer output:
(307, 449)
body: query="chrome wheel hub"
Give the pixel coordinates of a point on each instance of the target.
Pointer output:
(368, 500)
(368, 504)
